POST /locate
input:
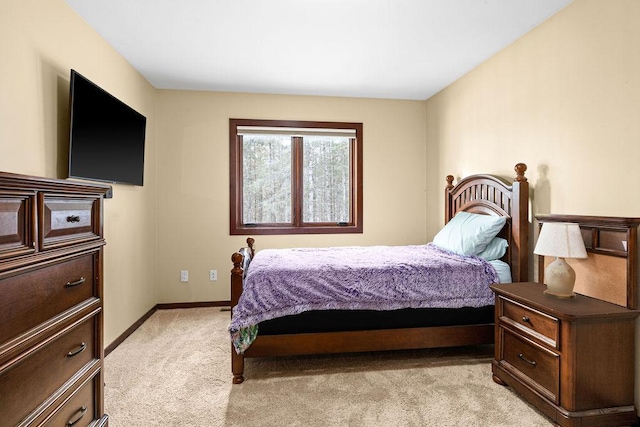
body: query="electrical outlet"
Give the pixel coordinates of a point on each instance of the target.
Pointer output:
(213, 275)
(184, 275)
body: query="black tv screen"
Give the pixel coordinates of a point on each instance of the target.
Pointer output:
(107, 136)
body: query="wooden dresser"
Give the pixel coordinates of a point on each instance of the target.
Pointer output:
(574, 358)
(571, 358)
(51, 336)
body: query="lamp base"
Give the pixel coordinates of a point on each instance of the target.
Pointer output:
(559, 278)
(553, 294)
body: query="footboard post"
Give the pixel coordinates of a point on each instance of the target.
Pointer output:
(237, 366)
(237, 360)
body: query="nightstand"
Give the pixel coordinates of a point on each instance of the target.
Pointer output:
(571, 358)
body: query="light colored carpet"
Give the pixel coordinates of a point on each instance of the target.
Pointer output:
(175, 370)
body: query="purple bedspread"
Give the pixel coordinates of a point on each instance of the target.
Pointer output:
(281, 282)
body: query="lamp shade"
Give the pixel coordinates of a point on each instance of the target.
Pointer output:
(560, 239)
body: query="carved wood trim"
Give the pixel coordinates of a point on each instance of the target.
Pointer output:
(604, 236)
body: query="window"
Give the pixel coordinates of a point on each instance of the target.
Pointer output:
(293, 177)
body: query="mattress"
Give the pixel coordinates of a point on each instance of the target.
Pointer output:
(360, 320)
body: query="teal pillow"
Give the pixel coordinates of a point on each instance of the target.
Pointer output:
(469, 233)
(496, 249)
(503, 269)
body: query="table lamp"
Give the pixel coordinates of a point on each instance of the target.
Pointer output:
(561, 240)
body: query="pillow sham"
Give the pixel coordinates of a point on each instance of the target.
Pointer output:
(469, 233)
(503, 270)
(496, 249)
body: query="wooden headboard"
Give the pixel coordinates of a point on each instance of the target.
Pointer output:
(610, 272)
(493, 195)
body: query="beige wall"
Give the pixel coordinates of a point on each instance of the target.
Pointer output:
(40, 41)
(565, 99)
(193, 180)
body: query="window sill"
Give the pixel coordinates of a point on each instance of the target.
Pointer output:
(247, 231)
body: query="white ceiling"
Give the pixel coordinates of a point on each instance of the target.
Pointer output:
(400, 49)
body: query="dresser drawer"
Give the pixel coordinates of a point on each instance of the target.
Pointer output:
(531, 322)
(540, 367)
(16, 226)
(38, 295)
(25, 385)
(68, 220)
(80, 409)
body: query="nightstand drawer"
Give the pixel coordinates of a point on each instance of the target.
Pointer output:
(540, 367)
(531, 322)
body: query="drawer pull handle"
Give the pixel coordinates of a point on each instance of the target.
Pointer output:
(73, 218)
(525, 319)
(80, 412)
(76, 283)
(530, 362)
(79, 350)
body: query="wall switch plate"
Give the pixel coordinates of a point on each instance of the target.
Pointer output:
(213, 275)
(184, 275)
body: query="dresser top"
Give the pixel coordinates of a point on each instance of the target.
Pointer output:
(579, 307)
(16, 181)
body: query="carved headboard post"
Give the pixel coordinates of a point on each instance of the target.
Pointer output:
(448, 213)
(520, 225)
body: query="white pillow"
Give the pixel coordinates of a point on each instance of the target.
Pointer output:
(469, 233)
(496, 249)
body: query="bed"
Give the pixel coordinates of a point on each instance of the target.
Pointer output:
(340, 330)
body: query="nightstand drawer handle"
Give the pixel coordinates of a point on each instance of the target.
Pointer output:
(76, 283)
(77, 351)
(73, 218)
(81, 411)
(525, 319)
(530, 362)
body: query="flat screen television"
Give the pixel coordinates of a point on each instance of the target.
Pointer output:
(107, 136)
